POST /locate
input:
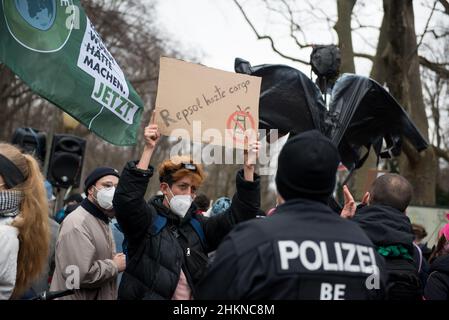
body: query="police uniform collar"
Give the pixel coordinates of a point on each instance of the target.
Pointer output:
(317, 206)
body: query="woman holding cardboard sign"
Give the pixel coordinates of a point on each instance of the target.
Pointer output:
(167, 243)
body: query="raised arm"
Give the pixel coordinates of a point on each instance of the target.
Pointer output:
(132, 211)
(251, 156)
(151, 136)
(245, 203)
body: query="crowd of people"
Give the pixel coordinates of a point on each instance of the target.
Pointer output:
(113, 244)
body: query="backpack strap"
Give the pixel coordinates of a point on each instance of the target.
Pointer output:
(125, 240)
(158, 224)
(198, 229)
(420, 256)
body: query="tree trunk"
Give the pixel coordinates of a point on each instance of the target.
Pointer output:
(344, 32)
(378, 72)
(404, 82)
(343, 29)
(379, 69)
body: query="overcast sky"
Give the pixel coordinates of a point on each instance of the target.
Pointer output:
(216, 31)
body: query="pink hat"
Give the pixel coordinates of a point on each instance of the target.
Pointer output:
(445, 231)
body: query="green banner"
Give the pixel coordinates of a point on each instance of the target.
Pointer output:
(54, 48)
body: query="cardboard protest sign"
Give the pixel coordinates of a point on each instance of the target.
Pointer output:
(205, 104)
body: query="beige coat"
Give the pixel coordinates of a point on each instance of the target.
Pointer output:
(85, 243)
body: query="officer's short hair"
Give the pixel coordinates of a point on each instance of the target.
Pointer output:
(391, 190)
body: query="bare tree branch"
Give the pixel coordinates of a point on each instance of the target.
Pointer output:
(364, 55)
(10, 90)
(435, 67)
(361, 25)
(276, 10)
(20, 94)
(294, 27)
(441, 153)
(436, 35)
(267, 37)
(432, 88)
(319, 8)
(445, 4)
(410, 152)
(427, 25)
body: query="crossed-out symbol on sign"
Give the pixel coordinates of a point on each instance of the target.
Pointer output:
(239, 122)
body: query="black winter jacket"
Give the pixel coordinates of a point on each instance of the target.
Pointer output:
(437, 287)
(387, 226)
(155, 260)
(303, 251)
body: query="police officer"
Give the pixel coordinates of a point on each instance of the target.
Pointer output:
(303, 251)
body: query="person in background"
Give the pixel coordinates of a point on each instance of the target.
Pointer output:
(24, 229)
(202, 203)
(272, 211)
(85, 245)
(121, 245)
(70, 204)
(382, 215)
(437, 287)
(420, 233)
(220, 206)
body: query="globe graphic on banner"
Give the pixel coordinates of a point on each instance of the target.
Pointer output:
(38, 13)
(40, 25)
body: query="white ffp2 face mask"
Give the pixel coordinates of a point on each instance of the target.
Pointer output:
(180, 204)
(104, 197)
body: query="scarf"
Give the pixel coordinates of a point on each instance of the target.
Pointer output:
(10, 203)
(394, 251)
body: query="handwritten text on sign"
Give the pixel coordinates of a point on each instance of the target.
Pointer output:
(219, 100)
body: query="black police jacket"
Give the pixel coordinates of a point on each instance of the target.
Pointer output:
(303, 251)
(155, 260)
